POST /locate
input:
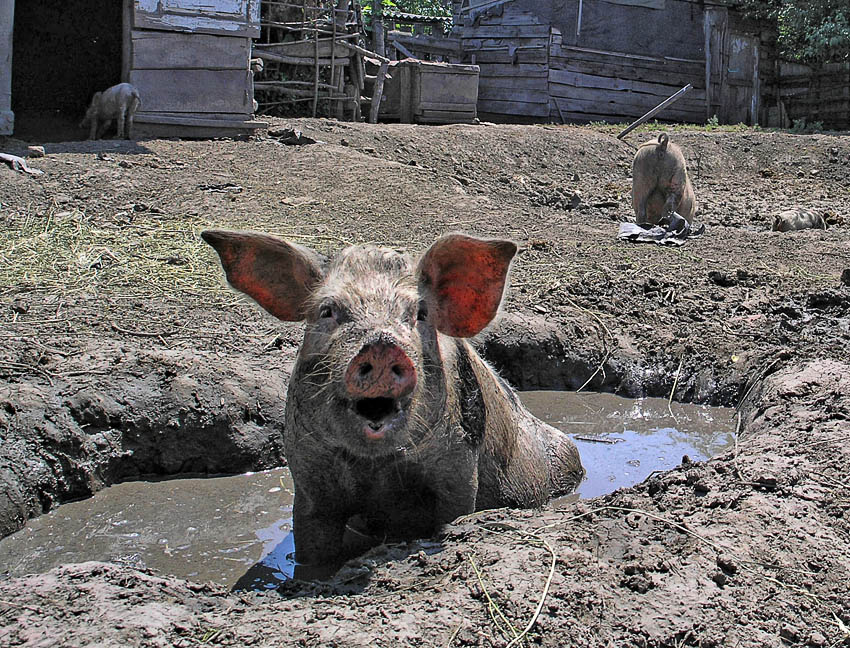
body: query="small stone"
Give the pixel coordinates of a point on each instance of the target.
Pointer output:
(727, 564)
(36, 151)
(701, 487)
(722, 279)
(720, 578)
(20, 306)
(789, 633)
(817, 639)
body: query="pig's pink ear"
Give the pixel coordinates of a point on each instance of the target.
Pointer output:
(464, 279)
(278, 275)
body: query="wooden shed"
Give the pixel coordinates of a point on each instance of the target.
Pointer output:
(586, 60)
(188, 58)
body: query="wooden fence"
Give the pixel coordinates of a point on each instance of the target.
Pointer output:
(819, 94)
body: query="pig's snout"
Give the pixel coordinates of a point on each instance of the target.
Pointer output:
(381, 370)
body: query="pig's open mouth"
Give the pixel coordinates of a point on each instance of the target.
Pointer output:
(380, 415)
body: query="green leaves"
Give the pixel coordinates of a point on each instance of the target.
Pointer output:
(808, 31)
(421, 7)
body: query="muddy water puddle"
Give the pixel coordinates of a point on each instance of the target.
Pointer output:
(236, 530)
(623, 440)
(204, 529)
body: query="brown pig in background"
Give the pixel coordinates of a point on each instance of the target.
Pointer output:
(391, 415)
(660, 183)
(119, 103)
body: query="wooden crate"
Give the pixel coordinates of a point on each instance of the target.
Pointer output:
(424, 92)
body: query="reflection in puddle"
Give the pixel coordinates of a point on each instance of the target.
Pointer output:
(622, 440)
(236, 531)
(199, 529)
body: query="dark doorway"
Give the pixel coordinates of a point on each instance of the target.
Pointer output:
(63, 51)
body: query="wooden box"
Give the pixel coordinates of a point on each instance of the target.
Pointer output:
(424, 92)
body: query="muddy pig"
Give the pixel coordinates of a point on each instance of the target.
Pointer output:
(391, 415)
(660, 182)
(798, 218)
(120, 102)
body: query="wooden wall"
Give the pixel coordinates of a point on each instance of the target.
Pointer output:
(588, 84)
(540, 61)
(190, 63)
(201, 74)
(511, 47)
(815, 94)
(7, 19)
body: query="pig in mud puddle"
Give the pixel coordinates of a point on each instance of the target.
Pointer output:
(393, 421)
(237, 530)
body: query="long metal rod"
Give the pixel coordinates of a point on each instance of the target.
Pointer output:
(669, 100)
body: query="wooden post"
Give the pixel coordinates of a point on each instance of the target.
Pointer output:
(340, 88)
(669, 100)
(364, 52)
(404, 77)
(378, 27)
(342, 8)
(378, 92)
(333, 45)
(316, 73)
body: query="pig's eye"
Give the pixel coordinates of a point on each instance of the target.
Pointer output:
(422, 313)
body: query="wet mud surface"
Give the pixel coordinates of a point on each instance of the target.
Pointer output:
(236, 530)
(121, 355)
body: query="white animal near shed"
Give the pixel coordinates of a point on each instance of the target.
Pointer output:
(189, 60)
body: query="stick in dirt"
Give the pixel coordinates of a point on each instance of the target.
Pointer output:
(669, 100)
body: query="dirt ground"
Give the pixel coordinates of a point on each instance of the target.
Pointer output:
(123, 354)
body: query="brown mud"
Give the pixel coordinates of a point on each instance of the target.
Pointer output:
(121, 354)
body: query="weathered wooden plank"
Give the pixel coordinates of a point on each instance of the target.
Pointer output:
(161, 50)
(441, 85)
(446, 118)
(527, 70)
(583, 117)
(202, 91)
(577, 57)
(432, 43)
(505, 56)
(670, 74)
(519, 83)
(242, 21)
(565, 90)
(518, 108)
(627, 108)
(587, 116)
(578, 80)
(305, 48)
(511, 18)
(641, 101)
(507, 31)
(446, 106)
(513, 94)
(298, 60)
(188, 119)
(475, 44)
